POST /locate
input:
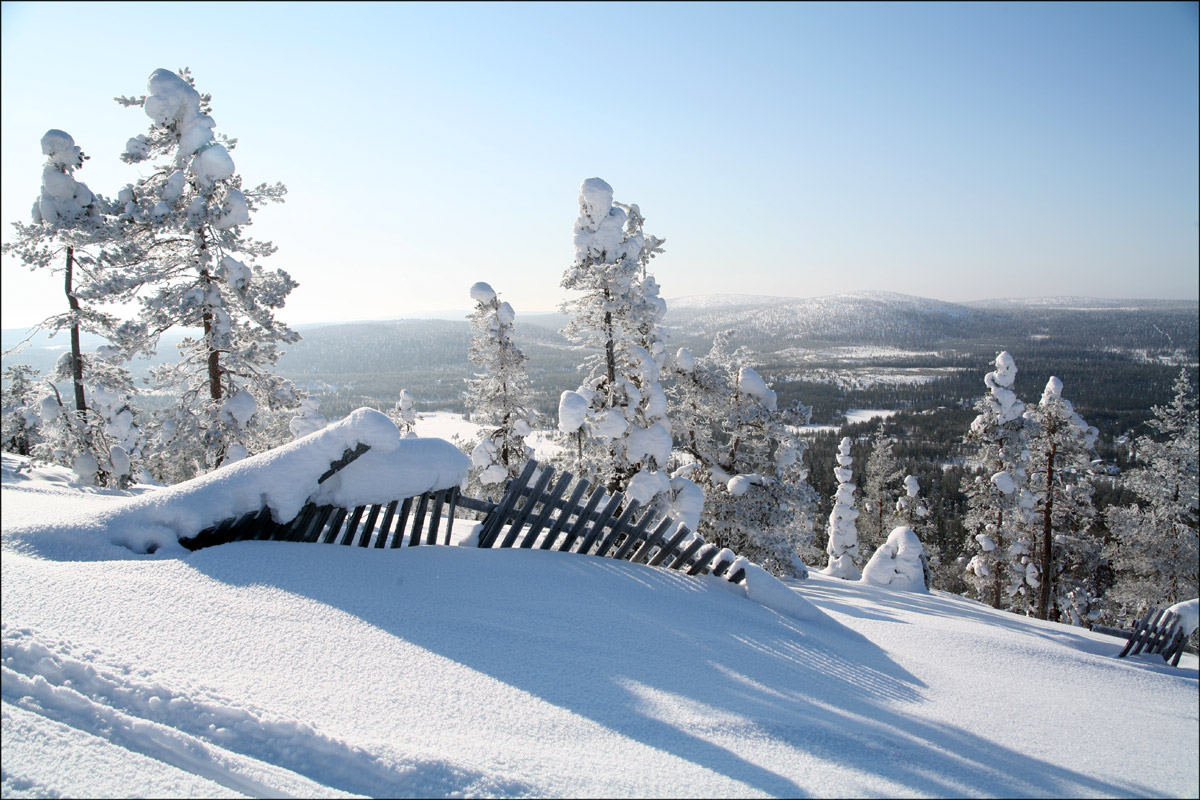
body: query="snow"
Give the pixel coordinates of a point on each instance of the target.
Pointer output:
(572, 411)
(241, 406)
(482, 293)
(1189, 615)
(60, 149)
(287, 669)
(897, 562)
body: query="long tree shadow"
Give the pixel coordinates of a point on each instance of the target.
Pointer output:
(813, 686)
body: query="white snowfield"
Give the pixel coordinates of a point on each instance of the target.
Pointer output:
(286, 669)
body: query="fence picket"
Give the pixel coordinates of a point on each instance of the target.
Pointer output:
(532, 499)
(615, 529)
(496, 519)
(386, 526)
(548, 505)
(402, 521)
(414, 537)
(569, 508)
(581, 519)
(339, 516)
(598, 524)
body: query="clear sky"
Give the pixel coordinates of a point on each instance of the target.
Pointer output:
(949, 150)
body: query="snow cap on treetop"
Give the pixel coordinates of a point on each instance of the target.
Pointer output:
(595, 200)
(482, 293)
(911, 486)
(1053, 391)
(61, 150)
(505, 314)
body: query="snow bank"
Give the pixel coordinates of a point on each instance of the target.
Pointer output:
(1189, 615)
(765, 589)
(283, 479)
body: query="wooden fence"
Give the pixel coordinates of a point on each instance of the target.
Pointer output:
(532, 513)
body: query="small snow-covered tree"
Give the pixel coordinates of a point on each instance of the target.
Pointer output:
(404, 414)
(188, 215)
(879, 492)
(899, 563)
(497, 397)
(20, 419)
(74, 232)
(622, 438)
(1061, 448)
(745, 458)
(843, 534)
(1156, 552)
(999, 503)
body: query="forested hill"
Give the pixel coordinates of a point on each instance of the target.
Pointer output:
(865, 349)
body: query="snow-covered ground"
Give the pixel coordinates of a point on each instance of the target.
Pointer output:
(275, 668)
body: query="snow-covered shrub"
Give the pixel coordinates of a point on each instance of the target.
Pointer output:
(899, 563)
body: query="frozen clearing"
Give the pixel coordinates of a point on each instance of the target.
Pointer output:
(275, 668)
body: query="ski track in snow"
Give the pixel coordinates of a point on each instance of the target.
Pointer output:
(242, 749)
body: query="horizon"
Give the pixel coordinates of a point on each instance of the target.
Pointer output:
(781, 149)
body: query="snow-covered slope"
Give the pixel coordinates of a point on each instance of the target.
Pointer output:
(274, 668)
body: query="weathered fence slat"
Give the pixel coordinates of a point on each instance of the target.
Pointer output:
(655, 538)
(368, 527)
(548, 505)
(385, 527)
(402, 521)
(581, 519)
(611, 537)
(531, 500)
(668, 549)
(634, 536)
(703, 556)
(598, 524)
(414, 535)
(435, 516)
(314, 530)
(687, 553)
(352, 526)
(454, 493)
(568, 509)
(497, 518)
(335, 526)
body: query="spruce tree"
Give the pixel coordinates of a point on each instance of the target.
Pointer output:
(622, 439)
(879, 492)
(745, 457)
(1061, 450)
(999, 503)
(1155, 552)
(497, 397)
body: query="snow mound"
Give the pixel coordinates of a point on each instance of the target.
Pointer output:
(283, 479)
(898, 563)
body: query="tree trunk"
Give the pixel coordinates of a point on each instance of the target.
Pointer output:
(998, 578)
(76, 352)
(1047, 534)
(214, 359)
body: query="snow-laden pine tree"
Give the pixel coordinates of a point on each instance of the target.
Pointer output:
(404, 414)
(999, 503)
(746, 459)
(497, 397)
(616, 424)
(1061, 448)
(307, 419)
(19, 415)
(1155, 553)
(843, 534)
(189, 214)
(881, 473)
(73, 231)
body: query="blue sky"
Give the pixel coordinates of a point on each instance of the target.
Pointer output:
(955, 151)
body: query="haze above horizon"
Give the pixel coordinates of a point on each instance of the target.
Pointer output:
(958, 152)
